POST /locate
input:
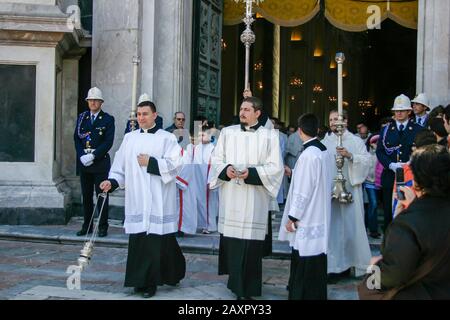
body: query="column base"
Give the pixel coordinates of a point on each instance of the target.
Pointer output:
(35, 203)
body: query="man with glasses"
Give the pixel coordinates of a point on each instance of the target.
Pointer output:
(177, 128)
(178, 122)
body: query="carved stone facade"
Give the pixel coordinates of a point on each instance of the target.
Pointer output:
(36, 33)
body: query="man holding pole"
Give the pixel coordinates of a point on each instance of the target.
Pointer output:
(93, 137)
(146, 165)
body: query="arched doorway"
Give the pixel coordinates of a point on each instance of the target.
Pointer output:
(380, 64)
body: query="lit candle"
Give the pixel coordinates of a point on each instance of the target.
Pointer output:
(340, 58)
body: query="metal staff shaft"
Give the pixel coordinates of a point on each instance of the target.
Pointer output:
(248, 38)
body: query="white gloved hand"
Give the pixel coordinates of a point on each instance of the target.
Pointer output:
(395, 165)
(87, 160)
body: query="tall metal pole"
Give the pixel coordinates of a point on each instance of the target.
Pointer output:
(248, 38)
(133, 118)
(339, 191)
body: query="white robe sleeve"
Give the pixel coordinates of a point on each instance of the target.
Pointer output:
(272, 171)
(171, 162)
(303, 186)
(182, 180)
(218, 163)
(358, 169)
(117, 171)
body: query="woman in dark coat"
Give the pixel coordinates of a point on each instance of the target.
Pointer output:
(421, 231)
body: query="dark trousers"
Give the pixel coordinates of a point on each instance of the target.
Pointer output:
(154, 260)
(308, 277)
(242, 261)
(89, 181)
(372, 212)
(387, 182)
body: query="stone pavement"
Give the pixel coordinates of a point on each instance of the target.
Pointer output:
(200, 243)
(37, 271)
(34, 260)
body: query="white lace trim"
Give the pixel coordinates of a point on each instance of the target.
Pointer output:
(311, 233)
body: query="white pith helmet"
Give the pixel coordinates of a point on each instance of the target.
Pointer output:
(95, 94)
(402, 103)
(144, 98)
(422, 99)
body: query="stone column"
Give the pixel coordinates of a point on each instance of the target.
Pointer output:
(160, 32)
(433, 51)
(115, 40)
(68, 119)
(37, 33)
(172, 57)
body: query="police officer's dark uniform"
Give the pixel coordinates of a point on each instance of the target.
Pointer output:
(394, 148)
(98, 136)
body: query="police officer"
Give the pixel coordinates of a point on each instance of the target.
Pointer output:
(94, 137)
(421, 105)
(394, 149)
(142, 99)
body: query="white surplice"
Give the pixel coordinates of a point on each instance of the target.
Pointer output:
(150, 200)
(309, 201)
(348, 242)
(244, 208)
(199, 206)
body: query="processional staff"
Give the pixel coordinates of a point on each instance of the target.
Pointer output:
(339, 191)
(133, 118)
(248, 37)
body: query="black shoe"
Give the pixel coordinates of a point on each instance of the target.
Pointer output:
(333, 278)
(139, 290)
(83, 232)
(375, 235)
(149, 292)
(102, 233)
(244, 298)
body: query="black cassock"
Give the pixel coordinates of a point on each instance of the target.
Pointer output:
(242, 261)
(308, 277)
(154, 260)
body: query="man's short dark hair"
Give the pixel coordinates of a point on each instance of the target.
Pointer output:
(178, 112)
(424, 138)
(431, 169)
(439, 110)
(256, 103)
(437, 126)
(309, 124)
(447, 114)
(148, 104)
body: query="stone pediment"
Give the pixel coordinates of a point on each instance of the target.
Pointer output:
(38, 25)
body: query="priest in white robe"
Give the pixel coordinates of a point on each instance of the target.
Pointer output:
(247, 168)
(348, 242)
(146, 165)
(306, 218)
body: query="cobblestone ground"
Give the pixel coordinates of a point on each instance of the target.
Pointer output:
(36, 271)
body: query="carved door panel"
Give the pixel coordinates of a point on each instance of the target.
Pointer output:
(207, 59)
